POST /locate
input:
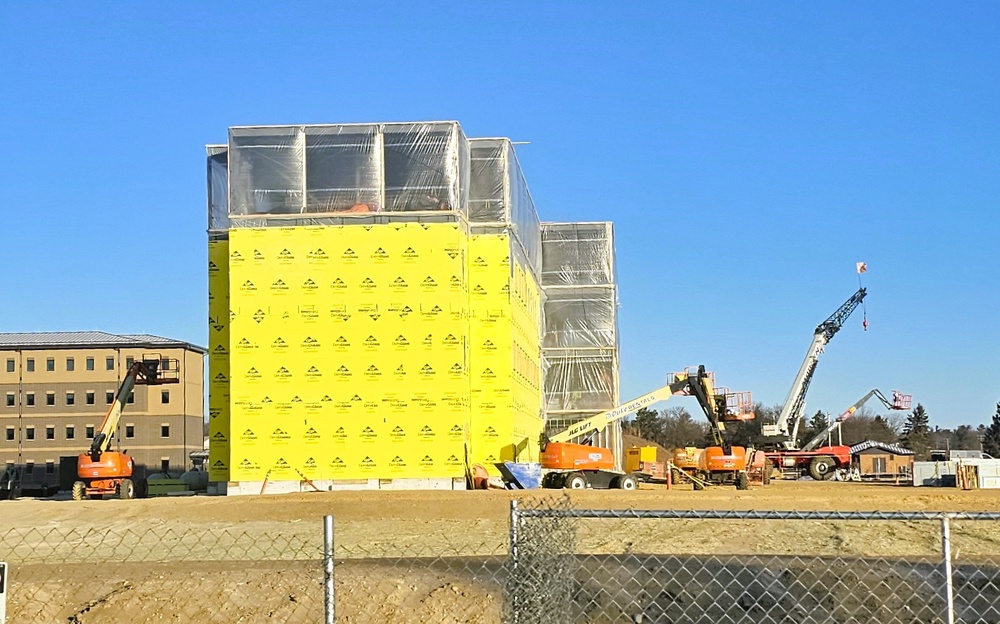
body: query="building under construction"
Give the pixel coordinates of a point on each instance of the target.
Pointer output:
(377, 310)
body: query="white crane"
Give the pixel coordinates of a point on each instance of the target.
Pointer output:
(785, 430)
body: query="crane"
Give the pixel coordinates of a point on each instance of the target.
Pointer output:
(820, 462)
(578, 466)
(794, 406)
(103, 471)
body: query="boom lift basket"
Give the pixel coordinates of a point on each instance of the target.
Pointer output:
(739, 405)
(901, 401)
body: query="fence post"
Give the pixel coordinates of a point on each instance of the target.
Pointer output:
(328, 597)
(946, 554)
(515, 520)
(513, 531)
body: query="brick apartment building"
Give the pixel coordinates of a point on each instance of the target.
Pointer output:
(56, 387)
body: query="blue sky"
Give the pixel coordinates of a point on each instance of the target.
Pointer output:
(749, 154)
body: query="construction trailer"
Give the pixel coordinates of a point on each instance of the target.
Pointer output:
(375, 308)
(879, 461)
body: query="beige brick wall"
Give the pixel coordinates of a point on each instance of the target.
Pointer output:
(70, 389)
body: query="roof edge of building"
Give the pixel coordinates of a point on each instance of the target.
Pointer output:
(97, 340)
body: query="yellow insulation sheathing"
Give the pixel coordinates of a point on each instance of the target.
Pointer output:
(349, 352)
(505, 354)
(371, 352)
(218, 360)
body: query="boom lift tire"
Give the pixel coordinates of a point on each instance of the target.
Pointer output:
(699, 482)
(628, 482)
(822, 468)
(126, 489)
(575, 481)
(79, 490)
(742, 481)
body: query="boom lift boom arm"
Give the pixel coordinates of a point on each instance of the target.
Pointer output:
(598, 422)
(900, 401)
(698, 384)
(795, 401)
(141, 371)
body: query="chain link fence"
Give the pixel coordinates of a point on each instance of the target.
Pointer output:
(555, 564)
(156, 574)
(721, 567)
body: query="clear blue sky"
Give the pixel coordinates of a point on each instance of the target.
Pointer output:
(749, 154)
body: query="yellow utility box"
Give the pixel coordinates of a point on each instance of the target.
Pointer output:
(636, 456)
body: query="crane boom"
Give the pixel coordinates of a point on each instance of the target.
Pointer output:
(794, 405)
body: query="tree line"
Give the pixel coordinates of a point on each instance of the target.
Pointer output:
(675, 427)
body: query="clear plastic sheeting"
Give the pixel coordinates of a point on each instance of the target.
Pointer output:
(348, 169)
(499, 194)
(218, 187)
(426, 167)
(580, 382)
(580, 318)
(266, 170)
(343, 168)
(575, 254)
(580, 343)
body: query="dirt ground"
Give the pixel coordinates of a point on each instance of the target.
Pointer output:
(406, 556)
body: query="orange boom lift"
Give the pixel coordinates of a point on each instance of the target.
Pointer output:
(577, 466)
(102, 471)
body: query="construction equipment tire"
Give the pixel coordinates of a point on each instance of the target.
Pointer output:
(698, 481)
(79, 490)
(126, 489)
(742, 481)
(822, 468)
(141, 488)
(628, 482)
(766, 474)
(575, 481)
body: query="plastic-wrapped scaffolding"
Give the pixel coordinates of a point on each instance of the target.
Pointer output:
(347, 173)
(499, 197)
(218, 188)
(580, 346)
(218, 310)
(505, 233)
